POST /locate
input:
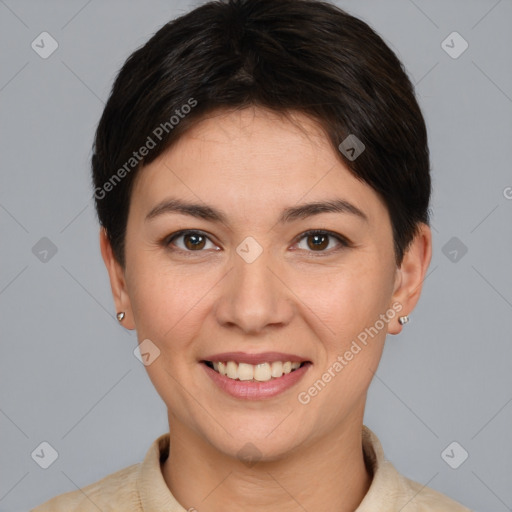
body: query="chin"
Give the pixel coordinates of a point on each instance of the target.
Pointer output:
(263, 440)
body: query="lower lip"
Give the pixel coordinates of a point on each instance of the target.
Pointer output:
(253, 390)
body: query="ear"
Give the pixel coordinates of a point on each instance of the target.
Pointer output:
(117, 281)
(411, 274)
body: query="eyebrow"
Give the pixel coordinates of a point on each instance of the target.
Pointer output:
(290, 214)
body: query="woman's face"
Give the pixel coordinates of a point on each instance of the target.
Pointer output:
(254, 287)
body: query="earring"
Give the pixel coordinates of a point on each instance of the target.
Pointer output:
(120, 316)
(402, 320)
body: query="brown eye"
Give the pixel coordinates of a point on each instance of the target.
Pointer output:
(317, 242)
(189, 241)
(194, 241)
(321, 241)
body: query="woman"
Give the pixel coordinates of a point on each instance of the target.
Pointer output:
(261, 176)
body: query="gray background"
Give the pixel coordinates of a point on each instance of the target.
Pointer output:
(68, 373)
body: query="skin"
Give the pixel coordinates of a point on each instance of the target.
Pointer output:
(294, 298)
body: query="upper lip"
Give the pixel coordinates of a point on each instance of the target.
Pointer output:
(261, 357)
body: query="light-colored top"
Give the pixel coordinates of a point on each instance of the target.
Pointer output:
(142, 488)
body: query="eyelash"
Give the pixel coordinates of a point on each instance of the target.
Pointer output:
(344, 243)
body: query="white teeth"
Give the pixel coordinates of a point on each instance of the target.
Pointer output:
(277, 369)
(245, 371)
(232, 370)
(261, 372)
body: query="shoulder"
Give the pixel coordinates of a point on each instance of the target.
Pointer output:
(117, 491)
(133, 489)
(391, 491)
(425, 499)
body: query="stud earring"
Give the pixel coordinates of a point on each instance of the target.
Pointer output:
(120, 316)
(402, 320)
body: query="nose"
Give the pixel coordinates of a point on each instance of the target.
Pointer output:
(254, 297)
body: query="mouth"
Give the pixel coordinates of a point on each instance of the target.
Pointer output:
(255, 376)
(261, 372)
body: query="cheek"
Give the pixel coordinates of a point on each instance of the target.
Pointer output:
(164, 302)
(348, 303)
(167, 309)
(352, 335)
(345, 299)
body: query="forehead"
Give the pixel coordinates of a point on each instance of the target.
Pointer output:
(254, 160)
(254, 143)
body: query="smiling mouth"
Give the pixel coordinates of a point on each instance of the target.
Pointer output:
(262, 372)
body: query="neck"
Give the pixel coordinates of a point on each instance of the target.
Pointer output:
(329, 474)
